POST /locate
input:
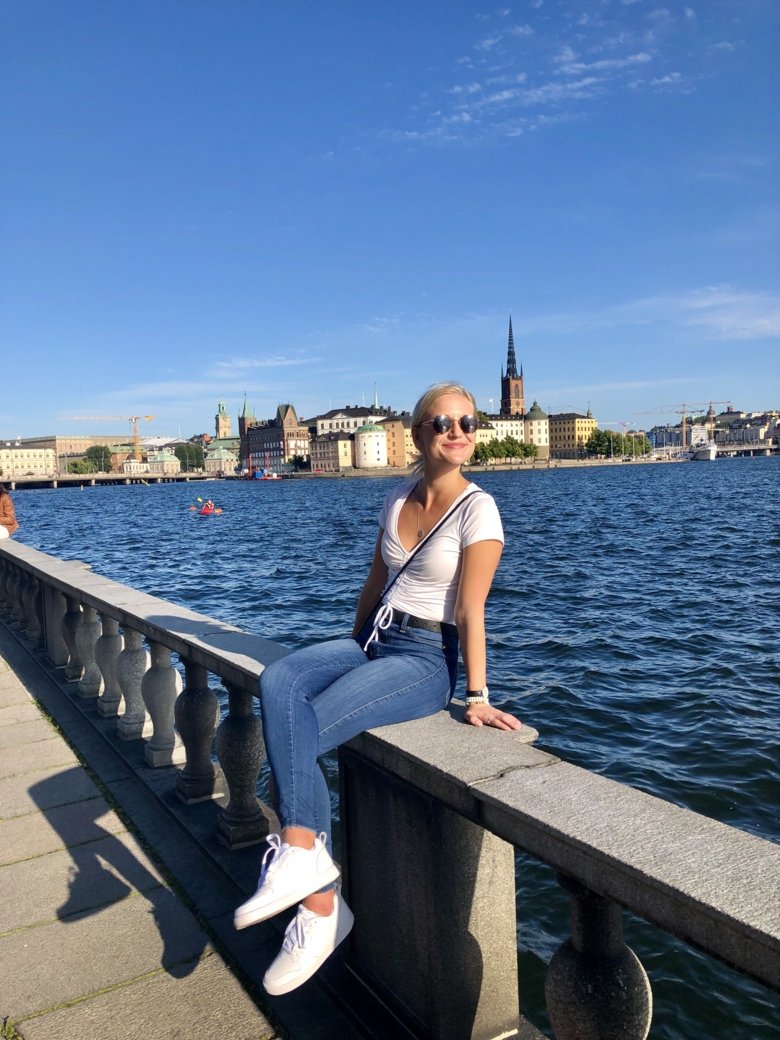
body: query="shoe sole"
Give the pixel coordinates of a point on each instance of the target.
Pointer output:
(247, 915)
(342, 931)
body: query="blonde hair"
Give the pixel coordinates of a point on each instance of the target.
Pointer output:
(438, 390)
(421, 410)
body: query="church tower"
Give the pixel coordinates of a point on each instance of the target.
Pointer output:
(512, 391)
(222, 422)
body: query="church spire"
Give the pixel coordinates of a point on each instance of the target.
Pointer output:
(512, 390)
(511, 361)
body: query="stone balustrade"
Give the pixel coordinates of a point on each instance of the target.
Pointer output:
(452, 804)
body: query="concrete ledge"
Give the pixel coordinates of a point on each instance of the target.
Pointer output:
(705, 882)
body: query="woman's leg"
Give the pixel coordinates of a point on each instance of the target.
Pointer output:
(288, 688)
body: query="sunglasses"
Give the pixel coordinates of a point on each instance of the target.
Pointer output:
(443, 423)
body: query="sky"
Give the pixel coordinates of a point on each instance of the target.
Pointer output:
(316, 202)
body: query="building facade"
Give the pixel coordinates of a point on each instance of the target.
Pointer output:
(333, 452)
(536, 430)
(273, 445)
(349, 418)
(163, 463)
(220, 461)
(18, 459)
(569, 433)
(370, 447)
(401, 451)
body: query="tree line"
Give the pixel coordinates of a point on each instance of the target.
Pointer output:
(97, 459)
(508, 448)
(608, 444)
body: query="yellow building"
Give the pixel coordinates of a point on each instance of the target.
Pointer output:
(333, 452)
(569, 433)
(401, 451)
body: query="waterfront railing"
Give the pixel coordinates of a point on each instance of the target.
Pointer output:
(432, 813)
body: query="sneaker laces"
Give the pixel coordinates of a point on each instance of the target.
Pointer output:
(298, 930)
(275, 850)
(383, 619)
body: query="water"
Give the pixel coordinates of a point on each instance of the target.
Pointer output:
(633, 621)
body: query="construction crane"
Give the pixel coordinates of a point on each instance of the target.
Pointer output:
(119, 418)
(684, 409)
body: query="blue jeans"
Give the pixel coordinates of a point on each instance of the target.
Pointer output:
(317, 698)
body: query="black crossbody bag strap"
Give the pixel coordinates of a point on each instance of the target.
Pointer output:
(417, 548)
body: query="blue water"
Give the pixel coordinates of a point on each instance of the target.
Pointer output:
(633, 621)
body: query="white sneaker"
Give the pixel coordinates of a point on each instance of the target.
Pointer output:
(288, 875)
(308, 942)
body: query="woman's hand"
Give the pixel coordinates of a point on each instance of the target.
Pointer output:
(487, 715)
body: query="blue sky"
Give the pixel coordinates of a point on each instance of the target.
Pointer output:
(305, 200)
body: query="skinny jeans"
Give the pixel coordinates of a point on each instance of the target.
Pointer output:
(318, 698)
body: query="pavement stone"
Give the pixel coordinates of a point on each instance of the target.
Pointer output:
(44, 754)
(12, 693)
(25, 711)
(34, 834)
(21, 733)
(43, 789)
(207, 1003)
(74, 880)
(46, 966)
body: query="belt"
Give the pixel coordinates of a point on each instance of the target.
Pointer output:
(399, 616)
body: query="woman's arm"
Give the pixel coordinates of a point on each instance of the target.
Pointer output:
(374, 584)
(480, 560)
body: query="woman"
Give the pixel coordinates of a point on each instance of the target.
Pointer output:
(8, 522)
(401, 664)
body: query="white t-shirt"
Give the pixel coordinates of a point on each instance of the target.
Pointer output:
(428, 587)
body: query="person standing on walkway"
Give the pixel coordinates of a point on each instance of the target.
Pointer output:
(439, 543)
(8, 522)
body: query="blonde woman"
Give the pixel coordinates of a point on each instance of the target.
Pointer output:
(416, 610)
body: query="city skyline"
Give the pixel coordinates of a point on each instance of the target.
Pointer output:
(311, 205)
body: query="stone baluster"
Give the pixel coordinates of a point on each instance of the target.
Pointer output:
(53, 612)
(5, 585)
(17, 593)
(131, 665)
(33, 610)
(107, 650)
(71, 622)
(159, 688)
(241, 750)
(87, 635)
(196, 714)
(596, 986)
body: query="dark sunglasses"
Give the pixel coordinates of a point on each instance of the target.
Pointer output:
(443, 423)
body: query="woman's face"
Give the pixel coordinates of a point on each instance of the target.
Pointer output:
(454, 446)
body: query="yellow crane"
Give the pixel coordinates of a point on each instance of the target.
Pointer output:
(119, 418)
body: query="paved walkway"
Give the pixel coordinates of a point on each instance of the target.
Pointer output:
(93, 942)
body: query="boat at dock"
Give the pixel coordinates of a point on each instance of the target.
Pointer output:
(706, 452)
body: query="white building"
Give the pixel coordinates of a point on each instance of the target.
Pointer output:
(349, 418)
(370, 447)
(163, 463)
(18, 461)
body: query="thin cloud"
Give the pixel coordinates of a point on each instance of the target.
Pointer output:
(244, 363)
(605, 64)
(718, 312)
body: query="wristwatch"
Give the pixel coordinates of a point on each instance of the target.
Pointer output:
(478, 696)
